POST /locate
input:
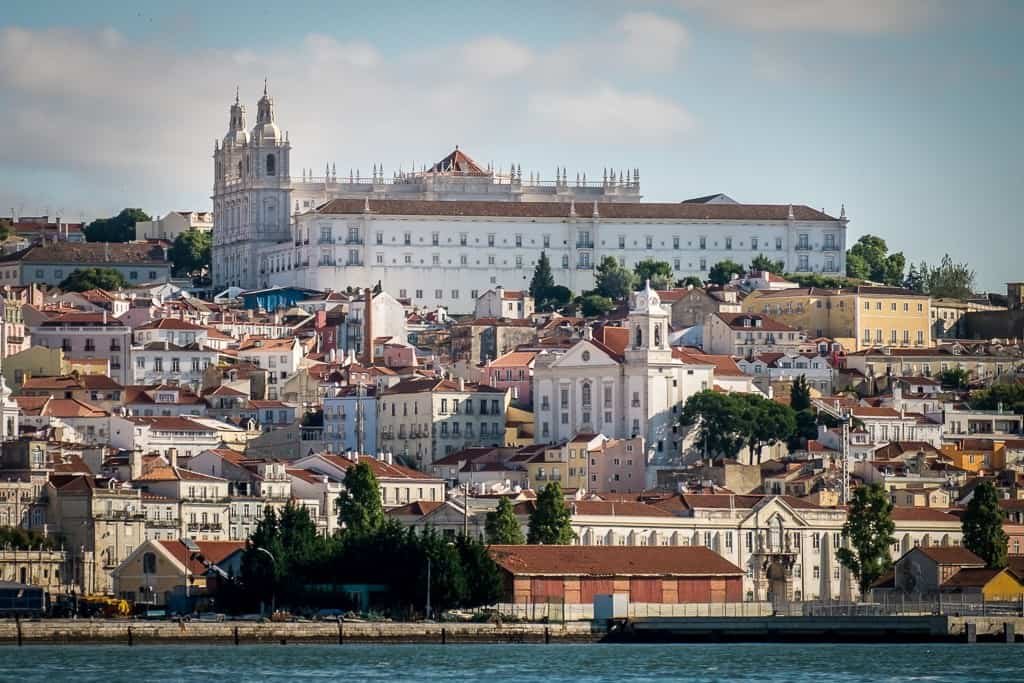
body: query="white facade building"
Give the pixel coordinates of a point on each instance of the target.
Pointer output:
(592, 389)
(448, 232)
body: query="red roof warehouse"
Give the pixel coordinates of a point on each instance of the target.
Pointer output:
(574, 574)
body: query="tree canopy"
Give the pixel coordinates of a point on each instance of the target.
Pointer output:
(542, 283)
(594, 304)
(983, 526)
(869, 259)
(359, 507)
(690, 281)
(728, 422)
(191, 252)
(551, 520)
(955, 378)
(721, 273)
(1005, 396)
(81, 279)
(612, 280)
(119, 228)
(869, 533)
(762, 262)
(501, 526)
(800, 394)
(658, 272)
(946, 280)
(16, 538)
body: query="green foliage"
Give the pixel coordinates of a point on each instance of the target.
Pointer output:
(955, 378)
(119, 228)
(5, 229)
(869, 532)
(501, 525)
(359, 507)
(191, 252)
(869, 259)
(542, 283)
(16, 538)
(915, 280)
(946, 280)
(819, 280)
(721, 273)
(983, 526)
(593, 305)
(558, 297)
(800, 394)
(1008, 397)
(658, 272)
(762, 262)
(728, 422)
(691, 281)
(612, 280)
(82, 279)
(551, 521)
(806, 429)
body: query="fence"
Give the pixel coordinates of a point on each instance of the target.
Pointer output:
(953, 605)
(559, 612)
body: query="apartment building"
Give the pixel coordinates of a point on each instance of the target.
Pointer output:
(88, 336)
(749, 335)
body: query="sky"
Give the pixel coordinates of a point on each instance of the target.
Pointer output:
(907, 112)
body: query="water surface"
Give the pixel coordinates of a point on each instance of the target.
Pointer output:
(556, 663)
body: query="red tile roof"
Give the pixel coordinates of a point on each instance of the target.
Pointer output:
(951, 555)
(617, 210)
(598, 560)
(213, 551)
(735, 321)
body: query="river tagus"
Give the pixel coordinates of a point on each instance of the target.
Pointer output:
(519, 663)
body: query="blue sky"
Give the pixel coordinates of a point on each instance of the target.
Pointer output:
(908, 113)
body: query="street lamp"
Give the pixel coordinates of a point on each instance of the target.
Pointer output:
(273, 584)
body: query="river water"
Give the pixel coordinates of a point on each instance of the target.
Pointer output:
(520, 663)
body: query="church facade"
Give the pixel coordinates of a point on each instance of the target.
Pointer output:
(443, 234)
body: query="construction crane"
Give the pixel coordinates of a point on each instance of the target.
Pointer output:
(844, 416)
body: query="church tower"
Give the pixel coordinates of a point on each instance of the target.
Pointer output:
(648, 329)
(251, 190)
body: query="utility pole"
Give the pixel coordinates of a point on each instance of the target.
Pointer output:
(428, 587)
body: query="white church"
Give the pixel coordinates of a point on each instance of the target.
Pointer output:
(444, 233)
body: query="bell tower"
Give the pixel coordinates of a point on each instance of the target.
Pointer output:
(648, 328)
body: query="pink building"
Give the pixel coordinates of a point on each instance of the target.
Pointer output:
(513, 371)
(618, 466)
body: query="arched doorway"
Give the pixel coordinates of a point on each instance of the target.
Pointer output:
(778, 584)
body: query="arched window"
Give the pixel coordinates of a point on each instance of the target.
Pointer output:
(149, 563)
(657, 335)
(586, 393)
(271, 164)
(239, 169)
(639, 338)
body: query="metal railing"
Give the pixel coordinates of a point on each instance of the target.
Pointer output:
(899, 605)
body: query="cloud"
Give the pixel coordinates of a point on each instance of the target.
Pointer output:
(822, 16)
(652, 41)
(98, 120)
(618, 115)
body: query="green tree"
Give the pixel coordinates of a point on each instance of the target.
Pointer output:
(5, 229)
(359, 508)
(501, 526)
(559, 297)
(915, 279)
(119, 228)
(721, 273)
(690, 281)
(658, 272)
(82, 279)
(870, 259)
(800, 394)
(806, 429)
(999, 396)
(593, 305)
(717, 417)
(955, 378)
(762, 262)
(819, 280)
(948, 279)
(16, 538)
(766, 423)
(551, 520)
(484, 582)
(869, 534)
(542, 282)
(191, 252)
(612, 280)
(983, 526)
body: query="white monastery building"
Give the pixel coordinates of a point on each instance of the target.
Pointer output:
(444, 234)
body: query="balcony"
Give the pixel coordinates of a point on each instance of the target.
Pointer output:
(354, 262)
(325, 240)
(204, 526)
(584, 245)
(354, 240)
(803, 246)
(830, 247)
(584, 266)
(326, 262)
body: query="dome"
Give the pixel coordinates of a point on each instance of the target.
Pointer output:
(266, 132)
(236, 138)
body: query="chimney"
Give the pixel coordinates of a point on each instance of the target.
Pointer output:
(172, 456)
(135, 465)
(462, 384)
(368, 327)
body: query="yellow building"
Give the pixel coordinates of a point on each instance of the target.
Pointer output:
(36, 361)
(566, 463)
(858, 317)
(974, 455)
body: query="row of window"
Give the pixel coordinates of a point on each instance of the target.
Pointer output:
(158, 364)
(893, 336)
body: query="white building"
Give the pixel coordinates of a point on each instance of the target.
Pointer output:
(748, 335)
(638, 392)
(787, 366)
(173, 224)
(159, 362)
(502, 303)
(268, 229)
